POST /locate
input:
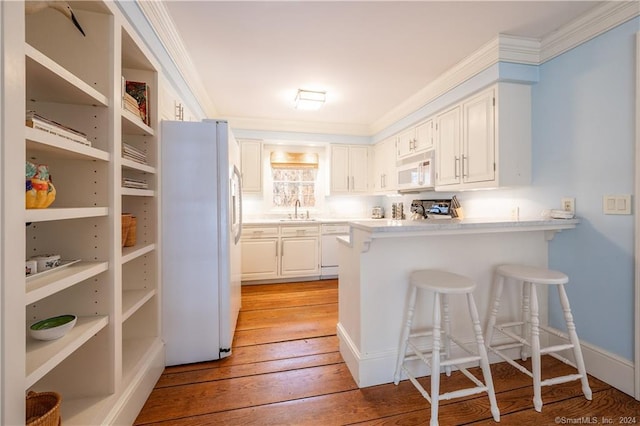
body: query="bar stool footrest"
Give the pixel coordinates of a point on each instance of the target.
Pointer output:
(561, 379)
(511, 362)
(556, 348)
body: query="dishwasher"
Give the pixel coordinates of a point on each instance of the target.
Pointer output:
(329, 248)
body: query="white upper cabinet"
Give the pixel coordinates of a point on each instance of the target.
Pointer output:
(349, 169)
(448, 147)
(251, 165)
(384, 166)
(485, 140)
(478, 138)
(172, 107)
(415, 140)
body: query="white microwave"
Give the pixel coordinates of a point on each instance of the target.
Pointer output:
(417, 174)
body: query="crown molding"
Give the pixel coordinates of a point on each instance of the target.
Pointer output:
(502, 48)
(249, 123)
(595, 22)
(163, 25)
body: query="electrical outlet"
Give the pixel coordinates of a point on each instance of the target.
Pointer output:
(515, 213)
(569, 205)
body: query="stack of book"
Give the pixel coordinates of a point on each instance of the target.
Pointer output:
(39, 122)
(130, 104)
(135, 99)
(134, 154)
(128, 182)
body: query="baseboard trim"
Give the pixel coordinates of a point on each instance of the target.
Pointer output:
(377, 368)
(604, 365)
(135, 395)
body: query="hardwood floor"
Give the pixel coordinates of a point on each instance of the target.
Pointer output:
(286, 370)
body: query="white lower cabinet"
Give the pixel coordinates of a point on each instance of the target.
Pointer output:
(286, 251)
(260, 259)
(300, 256)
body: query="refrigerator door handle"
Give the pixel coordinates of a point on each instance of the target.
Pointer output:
(236, 194)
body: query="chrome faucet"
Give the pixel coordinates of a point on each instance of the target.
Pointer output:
(295, 208)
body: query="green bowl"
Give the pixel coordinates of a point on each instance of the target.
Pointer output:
(52, 328)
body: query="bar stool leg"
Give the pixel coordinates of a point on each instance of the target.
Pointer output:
(484, 359)
(446, 319)
(526, 326)
(405, 334)
(535, 349)
(435, 361)
(498, 285)
(573, 338)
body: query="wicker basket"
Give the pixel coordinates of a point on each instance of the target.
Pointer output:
(126, 224)
(43, 409)
(131, 233)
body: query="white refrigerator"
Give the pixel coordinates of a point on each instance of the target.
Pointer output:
(201, 226)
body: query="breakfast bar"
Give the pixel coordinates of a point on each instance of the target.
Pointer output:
(374, 266)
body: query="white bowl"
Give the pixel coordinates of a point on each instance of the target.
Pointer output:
(52, 328)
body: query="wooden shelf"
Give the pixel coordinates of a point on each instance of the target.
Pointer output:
(136, 353)
(43, 356)
(48, 81)
(138, 192)
(130, 164)
(53, 213)
(132, 300)
(133, 125)
(130, 253)
(55, 281)
(39, 141)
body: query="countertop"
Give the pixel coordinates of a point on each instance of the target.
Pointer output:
(312, 221)
(381, 228)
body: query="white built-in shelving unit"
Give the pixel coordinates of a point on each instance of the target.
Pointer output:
(106, 366)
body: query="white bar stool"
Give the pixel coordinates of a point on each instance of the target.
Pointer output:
(442, 284)
(530, 327)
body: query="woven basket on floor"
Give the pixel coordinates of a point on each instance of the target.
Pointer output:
(43, 409)
(131, 233)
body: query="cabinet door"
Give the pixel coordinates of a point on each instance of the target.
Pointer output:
(339, 169)
(259, 259)
(300, 256)
(424, 136)
(406, 143)
(251, 165)
(448, 147)
(359, 169)
(478, 151)
(383, 164)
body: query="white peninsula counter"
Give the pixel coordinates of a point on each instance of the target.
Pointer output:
(377, 258)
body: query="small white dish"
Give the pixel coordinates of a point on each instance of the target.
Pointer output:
(52, 328)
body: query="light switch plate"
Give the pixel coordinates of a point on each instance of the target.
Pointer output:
(616, 204)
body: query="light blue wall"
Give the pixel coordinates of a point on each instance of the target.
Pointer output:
(583, 147)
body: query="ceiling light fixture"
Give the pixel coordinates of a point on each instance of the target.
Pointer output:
(310, 100)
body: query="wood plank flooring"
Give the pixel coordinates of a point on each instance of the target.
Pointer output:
(286, 370)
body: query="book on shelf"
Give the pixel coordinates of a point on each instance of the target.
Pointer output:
(139, 92)
(131, 105)
(36, 121)
(134, 183)
(132, 153)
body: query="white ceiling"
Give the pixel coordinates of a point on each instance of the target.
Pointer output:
(369, 56)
